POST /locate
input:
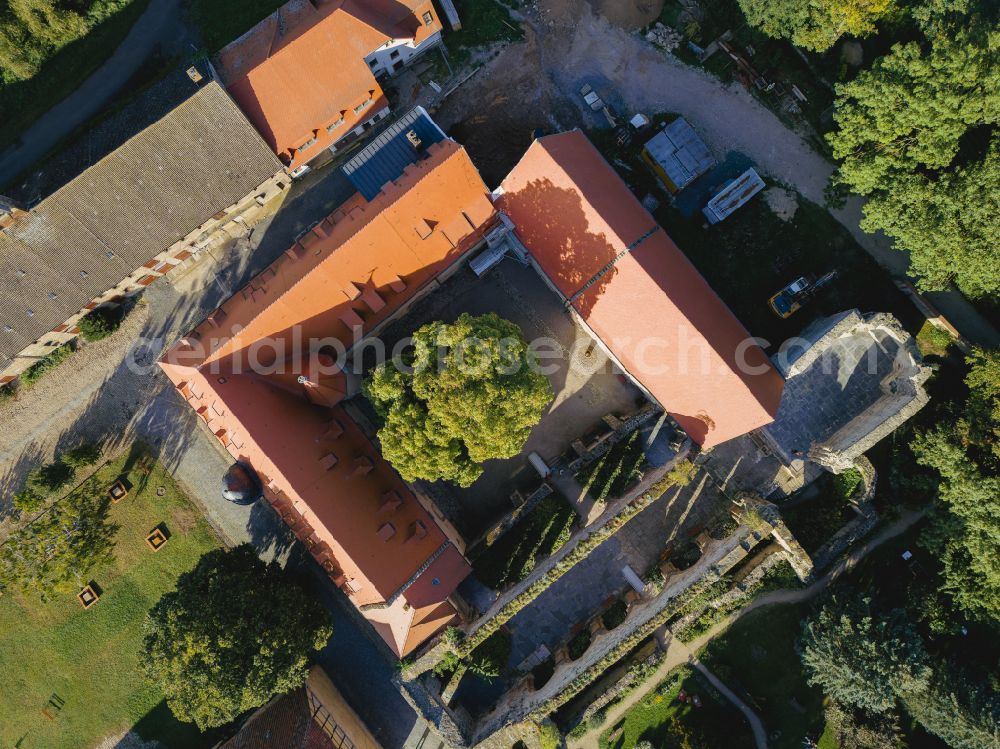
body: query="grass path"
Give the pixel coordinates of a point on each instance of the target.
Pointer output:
(679, 653)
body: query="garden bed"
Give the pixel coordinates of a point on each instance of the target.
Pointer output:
(535, 536)
(615, 614)
(578, 644)
(613, 473)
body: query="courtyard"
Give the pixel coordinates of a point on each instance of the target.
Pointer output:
(586, 385)
(662, 530)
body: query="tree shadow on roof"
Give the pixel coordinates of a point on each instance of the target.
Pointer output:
(559, 238)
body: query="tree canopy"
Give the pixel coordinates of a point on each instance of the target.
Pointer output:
(860, 657)
(815, 24)
(235, 633)
(964, 452)
(468, 392)
(56, 551)
(916, 133)
(870, 660)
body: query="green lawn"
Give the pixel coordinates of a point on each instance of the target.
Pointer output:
(90, 659)
(23, 102)
(535, 536)
(756, 657)
(664, 721)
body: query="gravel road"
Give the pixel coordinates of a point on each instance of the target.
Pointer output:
(568, 44)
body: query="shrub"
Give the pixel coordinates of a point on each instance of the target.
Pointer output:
(7, 392)
(578, 644)
(51, 476)
(548, 735)
(932, 341)
(449, 662)
(37, 370)
(615, 614)
(543, 672)
(452, 636)
(846, 483)
(490, 658)
(84, 454)
(100, 323)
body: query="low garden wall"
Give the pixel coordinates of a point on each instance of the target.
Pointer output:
(609, 647)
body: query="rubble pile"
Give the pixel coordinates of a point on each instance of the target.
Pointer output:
(664, 37)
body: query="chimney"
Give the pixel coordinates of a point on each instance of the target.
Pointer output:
(10, 212)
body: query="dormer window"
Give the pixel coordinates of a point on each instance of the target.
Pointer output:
(335, 124)
(308, 144)
(428, 18)
(363, 105)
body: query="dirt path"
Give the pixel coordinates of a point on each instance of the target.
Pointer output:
(679, 653)
(159, 25)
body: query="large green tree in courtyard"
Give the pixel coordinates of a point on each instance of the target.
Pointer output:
(815, 24)
(235, 633)
(468, 392)
(917, 135)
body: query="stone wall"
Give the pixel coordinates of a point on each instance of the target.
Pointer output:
(607, 647)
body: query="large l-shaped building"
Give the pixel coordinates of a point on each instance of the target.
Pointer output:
(283, 407)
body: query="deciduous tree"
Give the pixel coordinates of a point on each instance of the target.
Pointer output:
(235, 633)
(815, 24)
(914, 134)
(468, 392)
(56, 551)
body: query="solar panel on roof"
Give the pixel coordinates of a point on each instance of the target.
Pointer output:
(403, 143)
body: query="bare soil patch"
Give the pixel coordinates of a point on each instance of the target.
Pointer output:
(496, 112)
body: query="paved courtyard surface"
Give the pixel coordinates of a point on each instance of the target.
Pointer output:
(583, 591)
(585, 384)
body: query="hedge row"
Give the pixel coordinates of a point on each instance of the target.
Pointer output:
(579, 552)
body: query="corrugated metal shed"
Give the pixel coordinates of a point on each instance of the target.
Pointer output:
(734, 195)
(680, 155)
(394, 149)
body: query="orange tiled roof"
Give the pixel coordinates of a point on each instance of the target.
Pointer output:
(301, 70)
(651, 307)
(319, 470)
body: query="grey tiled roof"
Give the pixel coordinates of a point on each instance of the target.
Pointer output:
(170, 170)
